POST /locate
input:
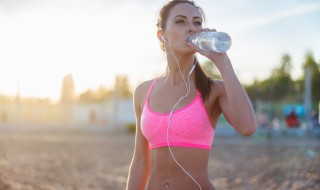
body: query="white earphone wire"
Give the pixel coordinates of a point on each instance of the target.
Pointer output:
(176, 104)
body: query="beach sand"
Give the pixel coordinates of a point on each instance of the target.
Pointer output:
(64, 160)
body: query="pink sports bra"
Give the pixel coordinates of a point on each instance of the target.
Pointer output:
(190, 126)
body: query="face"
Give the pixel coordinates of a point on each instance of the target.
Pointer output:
(184, 19)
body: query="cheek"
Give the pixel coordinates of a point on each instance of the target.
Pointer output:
(199, 27)
(177, 34)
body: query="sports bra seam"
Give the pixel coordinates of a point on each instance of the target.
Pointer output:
(146, 103)
(206, 113)
(178, 144)
(148, 94)
(176, 111)
(150, 90)
(198, 96)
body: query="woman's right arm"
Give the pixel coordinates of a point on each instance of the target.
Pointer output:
(139, 168)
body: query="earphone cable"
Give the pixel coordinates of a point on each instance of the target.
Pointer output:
(169, 122)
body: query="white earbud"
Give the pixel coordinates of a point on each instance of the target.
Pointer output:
(164, 39)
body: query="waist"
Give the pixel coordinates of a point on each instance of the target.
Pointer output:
(165, 173)
(178, 182)
(192, 159)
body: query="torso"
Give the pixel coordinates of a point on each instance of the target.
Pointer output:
(166, 102)
(164, 171)
(166, 174)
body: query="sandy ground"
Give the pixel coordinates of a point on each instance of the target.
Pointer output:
(100, 161)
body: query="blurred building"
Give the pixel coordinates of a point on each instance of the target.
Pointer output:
(114, 114)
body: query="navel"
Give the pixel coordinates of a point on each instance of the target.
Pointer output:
(166, 185)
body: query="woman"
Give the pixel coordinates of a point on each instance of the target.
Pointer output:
(190, 129)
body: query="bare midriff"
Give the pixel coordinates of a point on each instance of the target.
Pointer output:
(165, 174)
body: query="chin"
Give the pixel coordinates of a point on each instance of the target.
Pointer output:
(190, 51)
(186, 50)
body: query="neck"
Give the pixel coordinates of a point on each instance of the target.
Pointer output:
(185, 62)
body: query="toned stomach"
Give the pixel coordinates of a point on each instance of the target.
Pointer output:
(165, 174)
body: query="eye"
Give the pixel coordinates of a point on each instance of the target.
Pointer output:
(198, 23)
(180, 21)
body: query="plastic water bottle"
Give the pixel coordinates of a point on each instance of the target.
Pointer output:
(211, 41)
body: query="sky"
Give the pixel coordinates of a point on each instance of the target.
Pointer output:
(41, 41)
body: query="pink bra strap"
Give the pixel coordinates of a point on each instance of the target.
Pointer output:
(150, 89)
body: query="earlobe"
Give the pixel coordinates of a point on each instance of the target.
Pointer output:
(164, 39)
(161, 37)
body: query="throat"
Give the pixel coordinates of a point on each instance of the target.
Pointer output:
(177, 80)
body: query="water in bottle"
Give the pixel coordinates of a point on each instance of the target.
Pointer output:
(211, 41)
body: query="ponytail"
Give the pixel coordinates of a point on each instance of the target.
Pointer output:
(203, 82)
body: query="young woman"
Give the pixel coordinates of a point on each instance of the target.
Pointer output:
(172, 147)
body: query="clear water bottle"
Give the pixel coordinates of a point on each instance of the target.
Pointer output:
(211, 41)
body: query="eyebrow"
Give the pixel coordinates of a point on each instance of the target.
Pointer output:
(196, 17)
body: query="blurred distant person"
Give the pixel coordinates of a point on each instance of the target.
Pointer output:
(292, 119)
(262, 119)
(93, 116)
(172, 150)
(276, 123)
(315, 119)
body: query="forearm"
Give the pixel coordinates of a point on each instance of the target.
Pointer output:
(138, 175)
(235, 93)
(240, 110)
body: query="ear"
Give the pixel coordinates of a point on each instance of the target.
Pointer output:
(160, 33)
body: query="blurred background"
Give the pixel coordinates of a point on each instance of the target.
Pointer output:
(68, 70)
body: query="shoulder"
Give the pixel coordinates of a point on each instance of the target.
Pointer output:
(140, 92)
(143, 88)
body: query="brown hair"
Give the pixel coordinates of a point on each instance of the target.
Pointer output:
(203, 82)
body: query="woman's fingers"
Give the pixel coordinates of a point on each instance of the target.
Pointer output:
(208, 29)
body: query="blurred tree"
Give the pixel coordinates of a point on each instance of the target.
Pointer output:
(104, 93)
(67, 90)
(278, 86)
(87, 96)
(98, 95)
(281, 84)
(210, 70)
(122, 87)
(315, 76)
(258, 90)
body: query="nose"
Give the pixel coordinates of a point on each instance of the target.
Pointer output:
(192, 28)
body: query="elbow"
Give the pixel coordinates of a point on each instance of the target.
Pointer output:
(249, 131)
(248, 127)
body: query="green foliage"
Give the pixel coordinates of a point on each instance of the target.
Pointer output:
(280, 81)
(315, 75)
(122, 87)
(281, 87)
(98, 95)
(210, 70)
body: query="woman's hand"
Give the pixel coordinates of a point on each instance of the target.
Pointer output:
(217, 58)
